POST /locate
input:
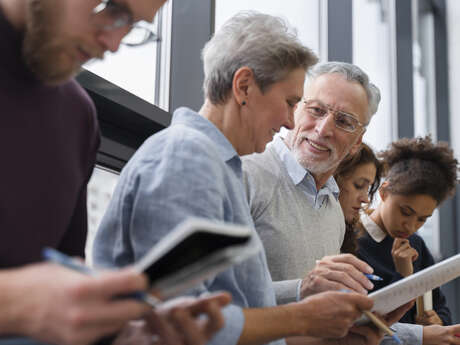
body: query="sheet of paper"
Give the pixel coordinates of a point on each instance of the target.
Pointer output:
(392, 296)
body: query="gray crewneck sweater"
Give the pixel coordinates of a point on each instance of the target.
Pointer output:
(286, 238)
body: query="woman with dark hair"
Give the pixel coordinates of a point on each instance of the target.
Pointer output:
(358, 177)
(420, 175)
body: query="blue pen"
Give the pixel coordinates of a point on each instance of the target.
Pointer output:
(59, 258)
(373, 277)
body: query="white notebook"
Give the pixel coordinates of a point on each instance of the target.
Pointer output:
(194, 251)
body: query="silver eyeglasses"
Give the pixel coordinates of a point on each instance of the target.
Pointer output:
(342, 120)
(110, 15)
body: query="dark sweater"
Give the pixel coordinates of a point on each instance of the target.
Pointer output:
(378, 255)
(48, 142)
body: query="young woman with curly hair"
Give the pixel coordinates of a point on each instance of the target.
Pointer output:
(419, 176)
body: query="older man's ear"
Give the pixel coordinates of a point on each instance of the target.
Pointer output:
(357, 145)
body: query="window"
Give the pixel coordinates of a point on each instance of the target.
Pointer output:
(453, 21)
(132, 69)
(303, 15)
(100, 190)
(373, 51)
(425, 98)
(143, 70)
(424, 71)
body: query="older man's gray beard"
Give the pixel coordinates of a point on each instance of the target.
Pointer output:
(313, 166)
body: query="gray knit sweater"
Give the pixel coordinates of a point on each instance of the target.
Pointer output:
(292, 243)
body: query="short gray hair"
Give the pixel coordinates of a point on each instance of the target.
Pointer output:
(351, 73)
(264, 43)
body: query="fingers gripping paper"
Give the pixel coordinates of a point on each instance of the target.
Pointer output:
(392, 296)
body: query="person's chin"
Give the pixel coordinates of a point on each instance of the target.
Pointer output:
(53, 64)
(316, 160)
(352, 217)
(402, 235)
(58, 77)
(60, 72)
(260, 147)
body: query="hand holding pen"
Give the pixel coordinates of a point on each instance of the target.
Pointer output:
(188, 320)
(59, 258)
(373, 277)
(374, 334)
(390, 319)
(336, 272)
(61, 306)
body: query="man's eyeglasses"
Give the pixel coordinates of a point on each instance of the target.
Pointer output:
(110, 16)
(342, 120)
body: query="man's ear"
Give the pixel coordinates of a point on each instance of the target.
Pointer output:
(242, 81)
(357, 145)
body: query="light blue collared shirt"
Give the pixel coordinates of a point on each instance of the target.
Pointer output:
(302, 177)
(188, 169)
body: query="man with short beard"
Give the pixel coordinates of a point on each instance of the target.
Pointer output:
(294, 197)
(49, 138)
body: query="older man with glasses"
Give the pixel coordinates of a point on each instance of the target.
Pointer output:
(292, 192)
(49, 137)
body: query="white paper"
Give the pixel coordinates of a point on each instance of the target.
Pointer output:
(395, 295)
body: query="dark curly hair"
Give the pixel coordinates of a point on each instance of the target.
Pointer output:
(365, 155)
(420, 166)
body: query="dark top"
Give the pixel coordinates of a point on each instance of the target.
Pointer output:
(48, 142)
(378, 255)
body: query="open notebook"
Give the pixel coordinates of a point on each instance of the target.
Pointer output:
(195, 250)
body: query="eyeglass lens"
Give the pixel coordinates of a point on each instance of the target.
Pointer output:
(342, 120)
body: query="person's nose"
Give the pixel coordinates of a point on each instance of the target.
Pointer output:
(410, 224)
(325, 125)
(110, 40)
(289, 122)
(364, 197)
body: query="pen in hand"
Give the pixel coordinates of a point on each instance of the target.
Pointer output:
(379, 323)
(382, 326)
(62, 259)
(373, 277)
